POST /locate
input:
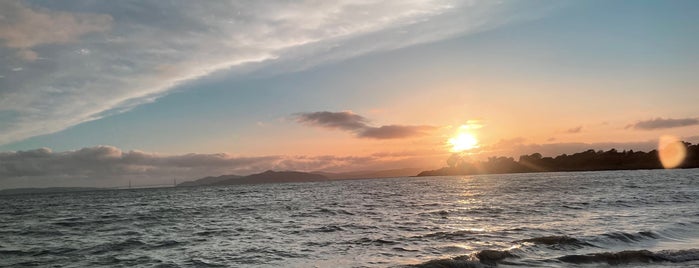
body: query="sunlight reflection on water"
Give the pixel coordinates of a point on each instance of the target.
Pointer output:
(537, 217)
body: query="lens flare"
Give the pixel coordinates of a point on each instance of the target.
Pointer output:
(671, 151)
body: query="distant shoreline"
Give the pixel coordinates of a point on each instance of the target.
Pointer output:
(48, 190)
(51, 190)
(586, 161)
(555, 171)
(589, 160)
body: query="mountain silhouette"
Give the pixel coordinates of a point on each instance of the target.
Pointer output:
(268, 176)
(209, 180)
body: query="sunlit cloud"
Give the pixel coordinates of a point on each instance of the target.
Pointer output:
(394, 132)
(472, 124)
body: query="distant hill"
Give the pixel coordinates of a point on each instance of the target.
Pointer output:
(46, 190)
(270, 176)
(209, 180)
(264, 177)
(372, 174)
(296, 176)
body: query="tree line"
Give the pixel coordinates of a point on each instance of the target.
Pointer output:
(589, 160)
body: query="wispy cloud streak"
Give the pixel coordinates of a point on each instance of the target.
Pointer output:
(69, 62)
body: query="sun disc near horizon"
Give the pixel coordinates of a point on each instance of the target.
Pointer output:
(463, 141)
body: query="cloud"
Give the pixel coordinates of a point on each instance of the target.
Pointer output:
(394, 132)
(503, 143)
(574, 130)
(335, 120)
(662, 123)
(357, 124)
(106, 162)
(106, 166)
(23, 28)
(83, 60)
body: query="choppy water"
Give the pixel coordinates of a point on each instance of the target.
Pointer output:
(586, 219)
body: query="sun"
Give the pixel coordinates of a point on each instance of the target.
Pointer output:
(463, 141)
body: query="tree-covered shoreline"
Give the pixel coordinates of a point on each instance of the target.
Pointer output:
(589, 160)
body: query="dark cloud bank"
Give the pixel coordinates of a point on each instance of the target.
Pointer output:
(663, 123)
(106, 166)
(359, 125)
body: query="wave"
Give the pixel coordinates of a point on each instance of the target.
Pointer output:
(441, 213)
(359, 226)
(460, 234)
(35, 252)
(212, 232)
(116, 246)
(447, 263)
(39, 232)
(369, 241)
(679, 255)
(328, 229)
(597, 241)
(132, 244)
(322, 229)
(493, 256)
(563, 243)
(322, 212)
(555, 241)
(630, 238)
(71, 222)
(166, 244)
(489, 258)
(401, 249)
(476, 260)
(197, 262)
(633, 256)
(116, 261)
(261, 255)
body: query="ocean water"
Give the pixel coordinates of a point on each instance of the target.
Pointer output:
(574, 219)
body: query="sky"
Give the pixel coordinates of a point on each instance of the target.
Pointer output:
(100, 93)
